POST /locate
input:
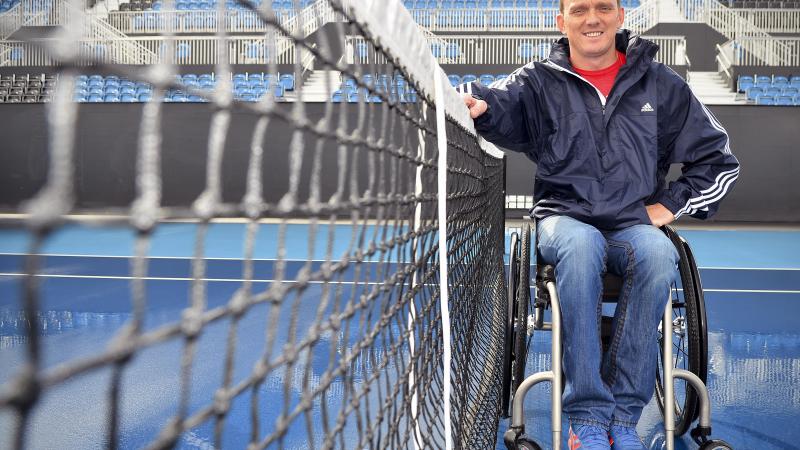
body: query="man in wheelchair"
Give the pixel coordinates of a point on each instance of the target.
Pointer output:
(603, 122)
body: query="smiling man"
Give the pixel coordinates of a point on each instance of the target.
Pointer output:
(603, 122)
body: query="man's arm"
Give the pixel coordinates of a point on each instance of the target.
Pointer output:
(502, 111)
(690, 135)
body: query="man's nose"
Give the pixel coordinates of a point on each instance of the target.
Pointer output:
(592, 17)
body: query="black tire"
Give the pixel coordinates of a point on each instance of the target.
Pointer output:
(522, 306)
(715, 444)
(690, 350)
(524, 443)
(508, 347)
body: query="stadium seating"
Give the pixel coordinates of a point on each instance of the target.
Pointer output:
(5, 5)
(770, 90)
(393, 88)
(208, 5)
(112, 89)
(762, 4)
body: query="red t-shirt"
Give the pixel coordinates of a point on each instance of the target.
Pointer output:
(603, 79)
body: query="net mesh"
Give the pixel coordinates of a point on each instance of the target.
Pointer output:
(351, 347)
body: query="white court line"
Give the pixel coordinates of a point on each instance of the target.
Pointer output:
(232, 280)
(226, 258)
(190, 258)
(238, 280)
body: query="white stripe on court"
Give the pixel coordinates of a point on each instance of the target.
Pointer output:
(238, 280)
(210, 258)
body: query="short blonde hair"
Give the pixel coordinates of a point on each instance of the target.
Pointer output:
(561, 5)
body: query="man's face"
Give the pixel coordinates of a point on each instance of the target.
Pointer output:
(590, 26)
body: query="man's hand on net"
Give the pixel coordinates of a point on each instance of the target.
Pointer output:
(659, 214)
(476, 107)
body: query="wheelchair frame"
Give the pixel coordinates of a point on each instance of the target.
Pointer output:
(521, 325)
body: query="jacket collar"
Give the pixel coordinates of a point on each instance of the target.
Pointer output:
(637, 51)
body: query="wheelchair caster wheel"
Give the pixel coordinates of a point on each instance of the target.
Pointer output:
(715, 444)
(524, 443)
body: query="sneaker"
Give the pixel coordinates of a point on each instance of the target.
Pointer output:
(625, 438)
(587, 437)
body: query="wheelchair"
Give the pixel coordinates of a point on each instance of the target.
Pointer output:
(684, 315)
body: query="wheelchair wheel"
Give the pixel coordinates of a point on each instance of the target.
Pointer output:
(516, 345)
(508, 347)
(690, 339)
(522, 304)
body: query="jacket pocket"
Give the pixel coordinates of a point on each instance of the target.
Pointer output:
(567, 146)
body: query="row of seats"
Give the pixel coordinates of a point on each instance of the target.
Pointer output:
(485, 79)
(476, 18)
(395, 88)
(204, 5)
(5, 5)
(778, 100)
(761, 4)
(770, 89)
(27, 88)
(485, 4)
(745, 82)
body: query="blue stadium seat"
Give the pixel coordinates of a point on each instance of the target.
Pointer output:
(784, 100)
(486, 79)
(501, 77)
(111, 98)
(754, 92)
(765, 100)
(773, 91)
(745, 82)
(468, 78)
(128, 98)
(145, 97)
(455, 80)
(790, 91)
(795, 81)
(287, 81)
(94, 98)
(780, 81)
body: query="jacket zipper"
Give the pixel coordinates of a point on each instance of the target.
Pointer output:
(599, 94)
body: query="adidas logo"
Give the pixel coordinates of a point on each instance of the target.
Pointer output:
(647, 108)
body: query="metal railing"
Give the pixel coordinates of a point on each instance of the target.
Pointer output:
(736, 27)
(643, 17)
(503, 50)
(147, 22)
(489, 19)
(61, 12)
(638, 19)
(723, 59)
(195, 50)
(772, 51)
(772, 20)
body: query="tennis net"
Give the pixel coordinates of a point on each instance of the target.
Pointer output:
(376, 336)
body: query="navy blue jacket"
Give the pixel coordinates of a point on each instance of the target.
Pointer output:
(602, 160)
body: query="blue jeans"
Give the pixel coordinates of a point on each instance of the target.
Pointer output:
(611, 388)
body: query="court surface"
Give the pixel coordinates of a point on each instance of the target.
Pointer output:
(751, 281)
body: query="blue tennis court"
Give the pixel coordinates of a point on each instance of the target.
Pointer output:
(751, 280)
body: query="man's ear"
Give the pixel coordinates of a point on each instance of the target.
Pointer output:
(560, 23)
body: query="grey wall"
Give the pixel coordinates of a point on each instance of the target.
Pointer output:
(700, 42)
(764, 138)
